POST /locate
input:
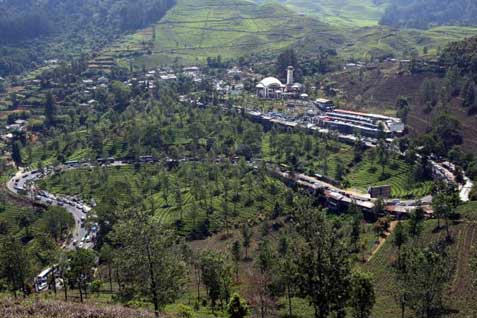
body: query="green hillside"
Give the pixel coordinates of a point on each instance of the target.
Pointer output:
(342, 12)
(197, 29)
(384, 41)
(32, 31)
(425, 14)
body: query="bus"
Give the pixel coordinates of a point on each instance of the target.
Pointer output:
(41, 281)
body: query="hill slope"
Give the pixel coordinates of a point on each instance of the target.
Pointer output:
(460, 294)
(32, 30)
(58, 309)
(342, 12)
(196, 29)
(427, 13)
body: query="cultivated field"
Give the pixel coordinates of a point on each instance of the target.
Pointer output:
(460, 295)
(194, 30)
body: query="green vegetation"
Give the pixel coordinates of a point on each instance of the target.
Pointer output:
(398, 174)
(30, 307)
(351, 13)
(198, 199)
(352, 167)
(30, 30)
(381, 41)
(194, 30)
(423, 14)
(458, 252)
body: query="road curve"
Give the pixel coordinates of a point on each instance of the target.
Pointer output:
(22, 184)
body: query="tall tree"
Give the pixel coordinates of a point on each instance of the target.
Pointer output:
(16, 153)
(237, 256)
(285, 59)
(400, 236)
(287, 269)
(149, 260)
(247, 238)
(57, 222)
(468, 94)
(14, 264)
(50, 110)
(423, 274)
(416, 219)
(217, 277)
(362, 294)
(444, 202)
(106, 257)
(81, 269)
(324, 270)
(356, 230)
(265, 260)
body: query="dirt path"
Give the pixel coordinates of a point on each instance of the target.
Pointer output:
(382, 240)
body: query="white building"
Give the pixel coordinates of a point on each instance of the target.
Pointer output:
(271, 87)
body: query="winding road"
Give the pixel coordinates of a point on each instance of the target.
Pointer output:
(22, 184)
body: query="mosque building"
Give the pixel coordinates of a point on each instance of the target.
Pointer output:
(272, 88)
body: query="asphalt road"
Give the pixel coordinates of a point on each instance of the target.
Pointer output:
(22, 184)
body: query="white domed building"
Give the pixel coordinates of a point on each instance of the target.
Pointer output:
(271, 87)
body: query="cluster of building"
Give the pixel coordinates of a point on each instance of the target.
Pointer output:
(340, 200)
(18, 126)
(346, 123)
(368, 125)
(272, 88)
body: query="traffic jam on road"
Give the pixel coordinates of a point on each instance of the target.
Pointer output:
(84, 234)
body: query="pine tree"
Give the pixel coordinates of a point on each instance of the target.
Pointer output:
(16, 153)
(50, 110)
(247, 238)
(237, 256)
(400, 236)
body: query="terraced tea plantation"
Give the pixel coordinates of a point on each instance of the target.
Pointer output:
(398, 174)
(195, 197)
(196, 29)
(316, 155)
(342, 12)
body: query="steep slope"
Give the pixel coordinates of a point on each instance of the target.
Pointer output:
(427, 13)
(197, 29)
(342, 12)
(33, 30)
(460, 293)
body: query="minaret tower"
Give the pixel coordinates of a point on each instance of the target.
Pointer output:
(290, 71)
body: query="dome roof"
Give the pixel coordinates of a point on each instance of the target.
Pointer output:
(270, 81)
